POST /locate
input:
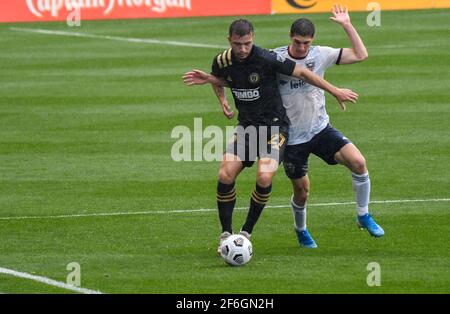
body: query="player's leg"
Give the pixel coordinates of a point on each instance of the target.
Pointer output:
(301, 190)
(296, 168)
(271, 145)
(234, 161)
(261, 194)
(350, 156)
(230, 168)
(299, 200)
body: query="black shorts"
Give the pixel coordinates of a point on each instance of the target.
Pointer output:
(324, 145)
(253, 142)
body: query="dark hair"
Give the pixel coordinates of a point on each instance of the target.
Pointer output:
(241, 28)
(302, 27)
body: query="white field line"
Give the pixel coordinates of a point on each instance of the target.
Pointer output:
(155, 212)
(117, 38)
(169, 42)
(47, 281)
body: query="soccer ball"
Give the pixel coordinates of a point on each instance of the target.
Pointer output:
(236, 250)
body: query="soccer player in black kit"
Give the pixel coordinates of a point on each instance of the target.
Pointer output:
(250, 72)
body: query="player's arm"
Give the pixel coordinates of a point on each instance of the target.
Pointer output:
(358, 52)
(342, 95)
(198, 77)
(222, 97)
(290, 68)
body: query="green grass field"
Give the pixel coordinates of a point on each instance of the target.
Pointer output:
(85, 127)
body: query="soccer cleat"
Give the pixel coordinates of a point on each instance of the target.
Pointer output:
(245, 234)
(305, 240)
(222, 238)
(367, 222)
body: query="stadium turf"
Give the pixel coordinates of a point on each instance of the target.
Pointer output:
(85, 128)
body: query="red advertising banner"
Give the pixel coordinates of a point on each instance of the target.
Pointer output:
(59, 10)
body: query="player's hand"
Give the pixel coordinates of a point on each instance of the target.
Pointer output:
(342, 95)
(340, 14)
(227, 110)
(196, 77)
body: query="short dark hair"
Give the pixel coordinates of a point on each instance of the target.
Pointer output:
(241, 28)
(302, 27)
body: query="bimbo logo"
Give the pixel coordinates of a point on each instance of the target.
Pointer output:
(246, 94)
(40, 7)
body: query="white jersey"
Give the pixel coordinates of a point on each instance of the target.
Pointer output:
(304, 103)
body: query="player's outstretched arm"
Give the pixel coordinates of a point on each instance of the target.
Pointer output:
(222, 97)
(358, 52)
(342, 95)
(198, 77)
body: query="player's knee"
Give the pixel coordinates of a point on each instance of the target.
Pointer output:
(304, 193)
(264, 179)
(301, 193)
(359, 165)
(226, 175)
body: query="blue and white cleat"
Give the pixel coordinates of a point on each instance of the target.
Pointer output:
(305, 240)
(366, 222)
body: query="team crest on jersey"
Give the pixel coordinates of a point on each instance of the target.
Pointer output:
(310, 65)
(254, 78)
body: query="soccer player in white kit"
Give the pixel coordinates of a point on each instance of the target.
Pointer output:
(310, 130)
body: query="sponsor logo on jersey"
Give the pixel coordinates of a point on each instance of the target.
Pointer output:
(295, 84)
(246, 94)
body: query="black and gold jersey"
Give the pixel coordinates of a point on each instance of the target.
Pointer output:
(254, 85)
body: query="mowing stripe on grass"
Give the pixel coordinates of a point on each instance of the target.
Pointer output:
(47, 281)
(171, 42)
(153, 212)
(116, 38)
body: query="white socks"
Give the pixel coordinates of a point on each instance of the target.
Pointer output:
(361, 186)
(299, 215)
